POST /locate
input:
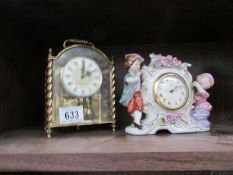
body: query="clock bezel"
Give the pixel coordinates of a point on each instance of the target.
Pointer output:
(157, 99)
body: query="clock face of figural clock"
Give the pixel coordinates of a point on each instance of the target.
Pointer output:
(81, 77)
(171, 91)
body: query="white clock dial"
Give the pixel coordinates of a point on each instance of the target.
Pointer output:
(81, 77)
(171, 91)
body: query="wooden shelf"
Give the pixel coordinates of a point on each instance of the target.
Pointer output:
(104, 151)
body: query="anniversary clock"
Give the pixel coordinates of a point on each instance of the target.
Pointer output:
(79, 87)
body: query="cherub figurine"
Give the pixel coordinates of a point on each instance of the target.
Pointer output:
(131, 95)
(202, 107)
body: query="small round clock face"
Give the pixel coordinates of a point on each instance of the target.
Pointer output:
(171, 91)
(81, 77)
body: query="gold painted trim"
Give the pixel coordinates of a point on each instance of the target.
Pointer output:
(157, 100)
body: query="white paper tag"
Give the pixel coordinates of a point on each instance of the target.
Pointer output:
(72, 114)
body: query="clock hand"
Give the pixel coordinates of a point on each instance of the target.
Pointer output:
(83, 69)
(177, 87)
(88, 73)
(171, 91)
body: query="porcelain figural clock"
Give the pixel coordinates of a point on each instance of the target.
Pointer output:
(79, 87)
(164, 91)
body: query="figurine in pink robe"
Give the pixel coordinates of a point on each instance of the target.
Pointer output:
(202, 107)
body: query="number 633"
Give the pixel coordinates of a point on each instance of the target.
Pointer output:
(71, 115)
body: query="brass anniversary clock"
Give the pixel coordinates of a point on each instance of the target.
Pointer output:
(79, 87)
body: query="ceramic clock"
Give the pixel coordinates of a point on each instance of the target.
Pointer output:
(80, 87)
(171, 99)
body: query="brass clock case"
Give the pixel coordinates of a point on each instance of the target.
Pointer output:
(98, 107)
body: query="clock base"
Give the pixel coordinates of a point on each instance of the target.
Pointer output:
(186, 125)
